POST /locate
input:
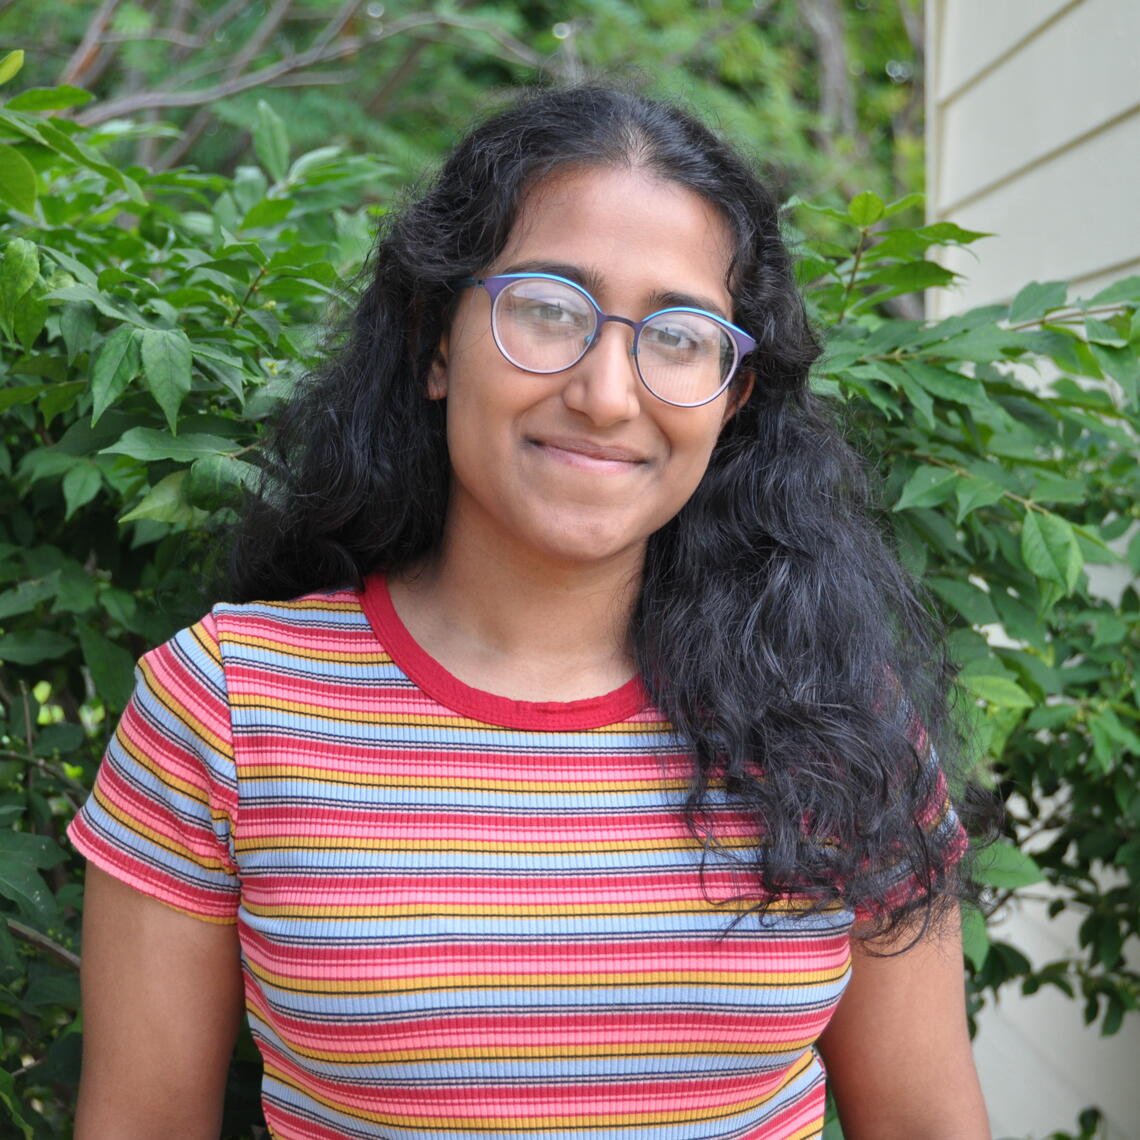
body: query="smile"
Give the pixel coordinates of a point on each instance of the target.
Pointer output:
(588, 455)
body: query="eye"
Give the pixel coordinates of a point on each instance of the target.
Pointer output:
(682, 337)
(546, 306)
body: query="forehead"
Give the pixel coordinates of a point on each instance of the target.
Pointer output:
(630, 230)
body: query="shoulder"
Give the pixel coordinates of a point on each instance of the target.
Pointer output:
(317, 621)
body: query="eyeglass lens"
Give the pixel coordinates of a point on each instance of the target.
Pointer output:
(546, 326)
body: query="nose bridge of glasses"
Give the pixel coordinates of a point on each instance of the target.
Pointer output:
(605, 318)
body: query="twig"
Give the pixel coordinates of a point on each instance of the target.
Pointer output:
(337, 24)
(42, 942)
(89, 47)
(859, 249)
(239, 312)
(161, 35)
(261, 35)
(132, 104)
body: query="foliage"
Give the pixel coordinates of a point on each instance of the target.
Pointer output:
(149, 321)
(1006, 438)
(836, 97)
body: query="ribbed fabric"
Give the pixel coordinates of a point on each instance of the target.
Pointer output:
(462, 916)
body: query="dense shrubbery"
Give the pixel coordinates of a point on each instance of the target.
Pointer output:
(149, 323)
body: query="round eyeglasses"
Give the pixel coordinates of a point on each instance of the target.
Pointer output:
(544, 323)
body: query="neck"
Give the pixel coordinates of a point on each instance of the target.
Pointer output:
(529, 630)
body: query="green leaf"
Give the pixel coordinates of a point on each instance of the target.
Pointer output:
(17, 180)
(91, 294)
(1098, 332)
(1001, 692)
(267, 212)
(9, 1097)
(150, 443)
(972, 603)
(865, 209)
(903, 203)
(10, 65)
(80, 485)
(164, 502)
(31, 646)
(975, 937)
(35, 850)
(1037, 299)
(1134, 552)
(77, 326)
(118, 362)
(909, 277)
(974, 493)
(927, 487)
(166, 361)
(49, 98)
(26, 595)
(271, 141)
(946, 384)
(1050, 548)
(22, 394)
(1006, 867)
(112, 667)
(20, 883)
(19, 271)
(1126, 290)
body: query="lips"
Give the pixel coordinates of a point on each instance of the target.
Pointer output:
(588, 451)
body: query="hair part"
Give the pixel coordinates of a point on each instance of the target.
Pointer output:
(774, 627)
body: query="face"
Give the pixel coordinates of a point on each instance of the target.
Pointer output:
(582, 466)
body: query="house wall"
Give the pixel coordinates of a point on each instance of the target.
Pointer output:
(1033, 134)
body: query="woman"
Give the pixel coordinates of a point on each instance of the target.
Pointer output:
(584, 773)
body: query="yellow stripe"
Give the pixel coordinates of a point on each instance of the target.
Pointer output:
(164, 697)
(157, 837)
(416, 720)
(524, 1123)
(307, 653)
(632, 979)
(483, 847)
(542, 1053)
(254, 771)
(330, 913)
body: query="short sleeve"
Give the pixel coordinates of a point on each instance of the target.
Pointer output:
(162, 814)
(904, 880)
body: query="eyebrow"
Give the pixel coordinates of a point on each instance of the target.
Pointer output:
(591, 281)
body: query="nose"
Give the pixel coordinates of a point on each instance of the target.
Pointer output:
(604, 385)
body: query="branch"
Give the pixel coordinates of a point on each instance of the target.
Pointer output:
(836, 105)
(317, 79)
(161, 35)
(337, 24)
(262, 34)
(727, 28)
(89, 47)
(43, 942)
(132, 104)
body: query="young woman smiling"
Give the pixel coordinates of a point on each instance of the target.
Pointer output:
(561, 765)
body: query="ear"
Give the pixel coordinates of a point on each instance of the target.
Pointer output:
(738, 396)
(437, 374)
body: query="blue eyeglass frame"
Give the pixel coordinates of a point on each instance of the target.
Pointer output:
(742, 343)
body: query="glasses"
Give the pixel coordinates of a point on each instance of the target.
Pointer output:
(543, 323)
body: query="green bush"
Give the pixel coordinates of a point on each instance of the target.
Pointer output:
(149, 322)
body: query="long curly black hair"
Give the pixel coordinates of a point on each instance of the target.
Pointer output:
(774, 628)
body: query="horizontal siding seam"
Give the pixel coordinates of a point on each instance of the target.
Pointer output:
(999, 61)
(945, 210)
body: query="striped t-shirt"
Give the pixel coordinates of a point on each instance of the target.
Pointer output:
(461, 916)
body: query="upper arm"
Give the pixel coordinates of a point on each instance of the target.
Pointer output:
(897, 1050)
(162, 1001)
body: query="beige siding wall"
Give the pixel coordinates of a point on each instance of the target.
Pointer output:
(1033, 134)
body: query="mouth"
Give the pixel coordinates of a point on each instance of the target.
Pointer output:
(589, 454)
